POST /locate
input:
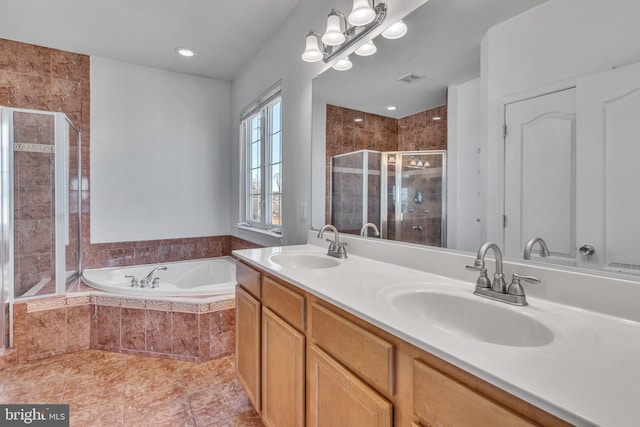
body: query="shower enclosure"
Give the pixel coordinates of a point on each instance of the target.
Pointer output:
(39, 205)
(355, 190)
(402, 192)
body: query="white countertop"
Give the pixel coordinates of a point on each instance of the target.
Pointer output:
(588, 375)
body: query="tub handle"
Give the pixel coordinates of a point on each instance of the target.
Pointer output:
(134, 281)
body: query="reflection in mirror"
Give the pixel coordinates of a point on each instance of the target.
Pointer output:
(568, 180)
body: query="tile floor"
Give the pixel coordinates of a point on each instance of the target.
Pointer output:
(112, 389)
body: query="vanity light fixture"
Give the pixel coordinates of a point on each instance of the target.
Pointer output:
(343, 32)
(366, 49)
(343, 65)
(391, 159)
(397, 30)
(187, 52)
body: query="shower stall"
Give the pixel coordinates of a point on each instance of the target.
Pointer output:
(402, 192)
(40, 207)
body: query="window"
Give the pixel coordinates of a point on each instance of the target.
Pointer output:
(261, 133)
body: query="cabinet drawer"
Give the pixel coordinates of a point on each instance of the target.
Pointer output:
(286, 303)
(364, 353)
(248, 278)
(441, 400)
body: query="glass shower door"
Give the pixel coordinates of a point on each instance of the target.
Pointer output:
(416, 197)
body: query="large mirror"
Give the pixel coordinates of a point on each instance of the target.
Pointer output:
(532, 103)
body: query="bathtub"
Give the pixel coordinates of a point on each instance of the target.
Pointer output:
(204, 277)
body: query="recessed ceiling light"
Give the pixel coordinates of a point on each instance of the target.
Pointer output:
(391, 107)
(437, 118)
(185, 51)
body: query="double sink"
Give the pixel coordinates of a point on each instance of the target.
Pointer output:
(448, 309)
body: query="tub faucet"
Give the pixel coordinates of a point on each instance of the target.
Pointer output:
(363, 230)
(144, 283)
(336, 247)
(544, 251)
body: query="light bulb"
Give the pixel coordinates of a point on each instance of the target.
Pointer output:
(312, 51)
(395, 31)
(333, 35)
(185, 51)
(362, 13)
(343, 65)
(366, 49)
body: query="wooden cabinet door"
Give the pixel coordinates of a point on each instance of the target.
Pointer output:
(248, 344)
(339, 398)
(442, 401)
(282, 372)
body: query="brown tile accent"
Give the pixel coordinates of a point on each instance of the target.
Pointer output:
(133, 329)
(44, 337)
(108, 328)
(78, 328)
(223, 333)
(184, 334)
(158, 331)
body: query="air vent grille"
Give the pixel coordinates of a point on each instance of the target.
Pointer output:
(410, 78)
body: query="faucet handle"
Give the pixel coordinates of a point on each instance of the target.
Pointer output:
(515, 288)
(134, 280)
(478, 265)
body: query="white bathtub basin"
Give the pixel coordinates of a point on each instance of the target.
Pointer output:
(473, 318)
(304, 260)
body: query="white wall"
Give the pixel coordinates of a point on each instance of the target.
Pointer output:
(279, 58)
(559, 40)
(465, 192)
(159, 154)
(318, 162)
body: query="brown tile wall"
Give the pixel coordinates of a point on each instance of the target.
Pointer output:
(344, 135)
(421, 132)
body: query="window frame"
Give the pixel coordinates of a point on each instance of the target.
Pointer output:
(263, 109)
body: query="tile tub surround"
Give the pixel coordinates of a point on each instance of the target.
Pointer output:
(112, 389)
(189, 329)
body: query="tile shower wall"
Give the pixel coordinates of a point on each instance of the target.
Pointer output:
(34, 195)
(416, 132)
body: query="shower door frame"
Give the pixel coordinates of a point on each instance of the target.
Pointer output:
(62, 124)
(384, 190)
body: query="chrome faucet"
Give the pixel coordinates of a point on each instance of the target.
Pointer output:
(336, 247)
(155, 282)
(544, 251)
(363, 230)
(498, 290)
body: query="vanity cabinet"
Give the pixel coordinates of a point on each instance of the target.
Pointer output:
(248, 311)
(270, 347)
(318, 365)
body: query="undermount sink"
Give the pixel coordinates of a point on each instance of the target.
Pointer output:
(473, 319)
(303, 260)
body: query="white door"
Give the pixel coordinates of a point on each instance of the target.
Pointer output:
(608, 172)
(540, 184)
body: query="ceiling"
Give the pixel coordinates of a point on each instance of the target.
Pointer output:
(442, 45)
(224, 33)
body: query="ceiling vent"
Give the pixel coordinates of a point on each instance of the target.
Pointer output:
(410, 78)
